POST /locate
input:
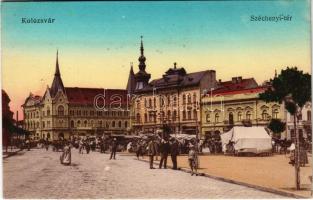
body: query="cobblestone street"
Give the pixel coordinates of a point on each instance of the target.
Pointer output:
(39, 174)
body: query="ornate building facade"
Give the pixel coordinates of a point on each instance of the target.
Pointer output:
(173, 100)
(73, 111)
(237, 103)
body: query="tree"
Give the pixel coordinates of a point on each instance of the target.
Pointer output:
(293, 88)
(277, 126)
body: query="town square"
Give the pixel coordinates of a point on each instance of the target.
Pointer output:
(151, 101)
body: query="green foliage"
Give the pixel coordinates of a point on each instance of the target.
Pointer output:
(277, 126)
(290, 82)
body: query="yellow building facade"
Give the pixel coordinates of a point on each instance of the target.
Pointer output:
(237, 104)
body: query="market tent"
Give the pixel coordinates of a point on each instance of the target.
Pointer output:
(248, 139)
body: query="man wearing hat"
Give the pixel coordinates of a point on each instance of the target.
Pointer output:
(174, 152)
(151, 151)
(114, 148)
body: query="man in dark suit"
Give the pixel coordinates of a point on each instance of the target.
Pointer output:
(151, 151)
(113, 148)
(174, 152)
(164, 151)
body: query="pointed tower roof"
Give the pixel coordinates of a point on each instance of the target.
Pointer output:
(142, 77)
(142, 58)
(131, 83)
(57, 83)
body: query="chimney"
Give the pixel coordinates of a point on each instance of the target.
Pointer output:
(239, 79)
(234, 79)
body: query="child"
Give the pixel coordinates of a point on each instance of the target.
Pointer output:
(192, 160)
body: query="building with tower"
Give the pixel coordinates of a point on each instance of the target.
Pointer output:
(173, 100)
(74, 111)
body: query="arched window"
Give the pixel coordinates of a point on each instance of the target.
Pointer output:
(231, 118)
(174, 115)
(169, 115)
(216, 117)
(195, 114)
(78, 123)
(146, 117)
(194, 97)
(60, 110)
(174, 101)
(72, 124)
(138, 118)
(150, 103)
(154, 102)
(184, 115)
(48, 111)
(113, 124)
(119, 124)
(189, 98)
(275, 113)
(168, 100)
(189, 114)
(100, 123)
(239, 116)
(264, 115)
(248, 115)
(184, 99)
(208, 117)
(125, 124)
(85, 123)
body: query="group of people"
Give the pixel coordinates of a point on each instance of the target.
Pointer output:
(170, 147)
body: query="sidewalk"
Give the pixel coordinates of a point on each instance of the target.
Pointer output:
(10, 152)
(272, 174)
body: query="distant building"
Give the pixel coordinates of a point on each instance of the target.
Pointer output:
(173, 100)
(73, 111)
(304, 123)
(237, 103)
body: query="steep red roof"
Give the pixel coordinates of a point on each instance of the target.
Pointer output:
(87, 96)
(238, 85)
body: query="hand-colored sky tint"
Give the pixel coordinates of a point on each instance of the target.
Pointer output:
(98, 40)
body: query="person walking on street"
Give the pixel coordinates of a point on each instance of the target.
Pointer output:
(46, 144)
(164, 151)
(151, 152)
(192, 158)
(65, 158)
(113, 149)
(27, 144)
(174, 153)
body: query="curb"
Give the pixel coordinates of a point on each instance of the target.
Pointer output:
(257, 187)
(10, 154)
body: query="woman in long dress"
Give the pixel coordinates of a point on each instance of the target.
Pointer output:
(66, 155)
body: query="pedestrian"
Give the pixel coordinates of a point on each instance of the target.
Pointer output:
(46, 144)
(151, 151)
(174, 152)
(113, 148)
(27, 142)
(65, 158)
(81, 146)
(139, 150)
(164, 151)
(87, 146)
(192, 159)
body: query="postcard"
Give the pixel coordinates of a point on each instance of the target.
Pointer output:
(156, 99)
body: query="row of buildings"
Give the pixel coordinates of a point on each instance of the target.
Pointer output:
(188, 103)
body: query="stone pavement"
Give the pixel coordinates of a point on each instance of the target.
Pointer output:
(39, 174)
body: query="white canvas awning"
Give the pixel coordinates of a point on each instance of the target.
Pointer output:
(248, 139)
